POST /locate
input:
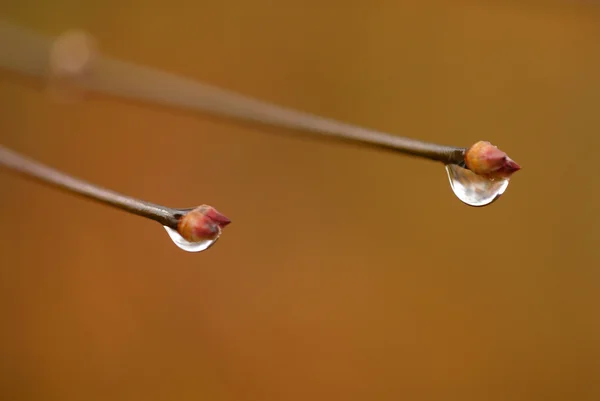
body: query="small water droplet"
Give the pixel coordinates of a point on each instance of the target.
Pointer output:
(187, 245)
(473, 189)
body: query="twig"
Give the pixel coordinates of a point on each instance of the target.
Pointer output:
(408, 146)
(51, 177)
(29, 53)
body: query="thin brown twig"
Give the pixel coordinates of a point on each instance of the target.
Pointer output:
(37, 171)
(30, 53)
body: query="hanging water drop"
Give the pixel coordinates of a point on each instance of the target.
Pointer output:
(198, 229)
(189, 246)
(473, 189)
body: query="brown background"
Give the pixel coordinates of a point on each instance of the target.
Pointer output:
(347, 274)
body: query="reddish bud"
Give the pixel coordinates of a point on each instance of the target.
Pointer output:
(217, 217)
(201, 224)
(485, 159)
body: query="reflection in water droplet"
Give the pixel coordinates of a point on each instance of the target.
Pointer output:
(187, 245)
(473, 189)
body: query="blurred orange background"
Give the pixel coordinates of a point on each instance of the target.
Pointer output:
(347, 273)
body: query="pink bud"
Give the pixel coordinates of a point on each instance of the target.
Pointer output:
(483, 158)
(217, 217)
(202, 223)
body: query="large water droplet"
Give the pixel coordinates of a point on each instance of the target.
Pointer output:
(187, 245)
(473, 189)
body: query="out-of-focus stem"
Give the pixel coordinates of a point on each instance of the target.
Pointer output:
(29, 53)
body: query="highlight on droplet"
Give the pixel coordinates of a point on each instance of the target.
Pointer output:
(189, 246)
(474, 189)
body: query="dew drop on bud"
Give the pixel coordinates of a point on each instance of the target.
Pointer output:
(473, 189)
(198, 229)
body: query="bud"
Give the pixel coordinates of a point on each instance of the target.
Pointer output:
(485, 159)
(201, 224)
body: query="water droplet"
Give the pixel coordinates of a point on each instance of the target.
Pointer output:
(473, 189)
(187, 245)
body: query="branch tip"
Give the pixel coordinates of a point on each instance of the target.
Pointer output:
(202, 223)
(485, 159)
